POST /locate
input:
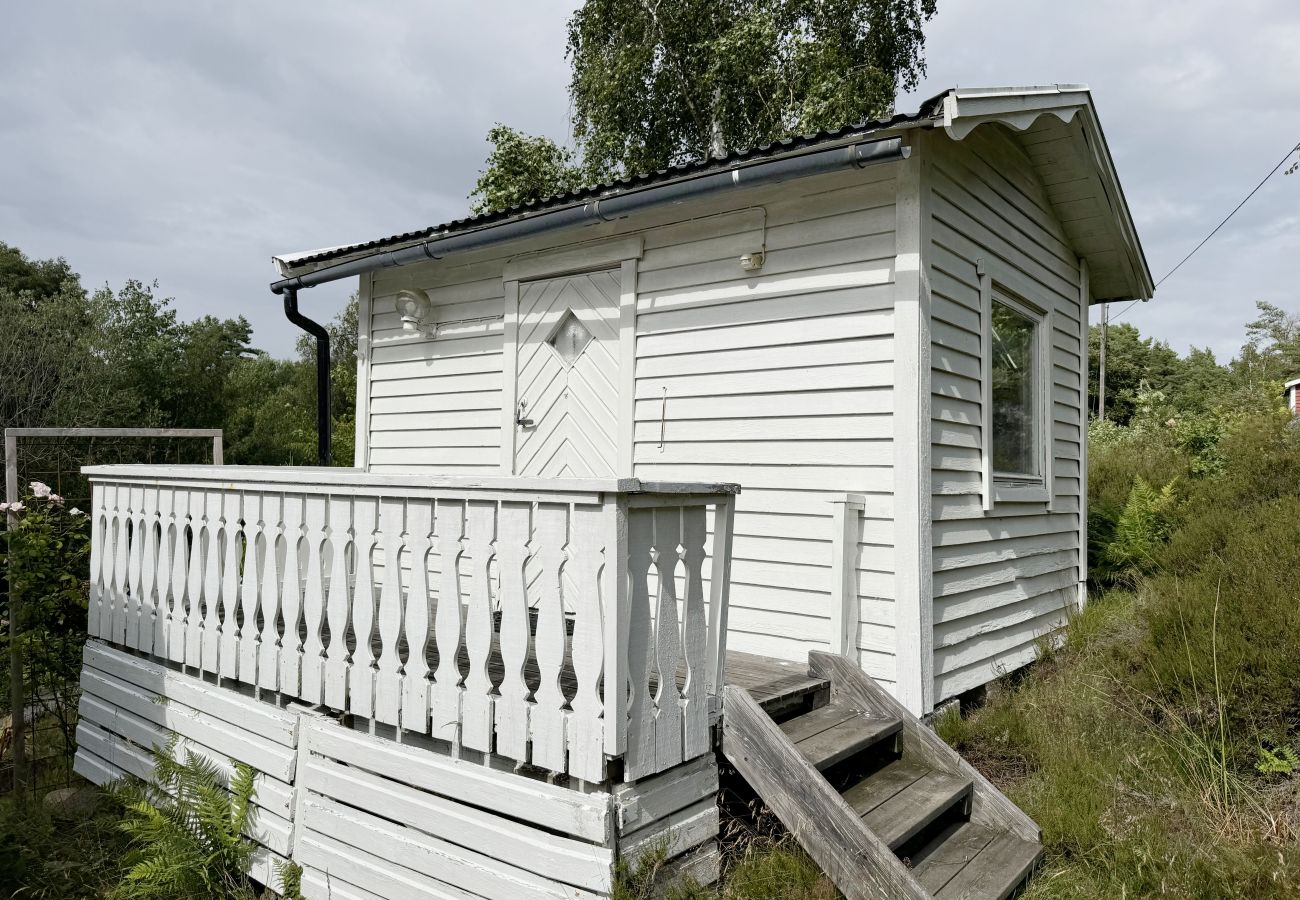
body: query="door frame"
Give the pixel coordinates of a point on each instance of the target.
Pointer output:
(621, 253)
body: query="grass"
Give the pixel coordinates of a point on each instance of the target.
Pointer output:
(42, 857)
(1154, 746)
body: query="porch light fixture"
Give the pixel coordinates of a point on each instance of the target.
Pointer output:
(753, 262)
(415, 309)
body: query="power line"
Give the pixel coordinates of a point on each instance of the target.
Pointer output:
(1215, 231)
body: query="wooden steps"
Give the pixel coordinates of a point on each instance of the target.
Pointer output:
(878, 800)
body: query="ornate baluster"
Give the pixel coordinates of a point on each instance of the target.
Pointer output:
(199, 538)
(586, 725)
(511, 708)
(215, 522)
(166, 594)
(313, 603)
(668, 640)
(250, 591)
(182, 538)
(476, 705)
(121, 563)
(548, 713)
(95, 601)
(270, 646)
(695, 632)
(149, 611)
(135, 609)
(291, 597)
(449, 623)
(641, 742)
(361, 678)
(234, 553)
(336, 609)
(388, 677)
(415, 681)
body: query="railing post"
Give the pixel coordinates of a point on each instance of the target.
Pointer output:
(844, 577)
(617, 608)
(724, 517)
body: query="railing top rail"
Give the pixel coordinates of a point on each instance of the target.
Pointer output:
(313, 479)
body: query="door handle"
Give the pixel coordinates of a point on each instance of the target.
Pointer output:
(519, 418)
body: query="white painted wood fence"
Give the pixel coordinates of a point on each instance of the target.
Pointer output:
(590, 622)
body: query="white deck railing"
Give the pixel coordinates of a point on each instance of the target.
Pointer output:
(590, 623)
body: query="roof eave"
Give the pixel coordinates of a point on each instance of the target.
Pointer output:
(301, 262)
(964, 110)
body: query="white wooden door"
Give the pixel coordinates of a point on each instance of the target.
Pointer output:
(567, 376)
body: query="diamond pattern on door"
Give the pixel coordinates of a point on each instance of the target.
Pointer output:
(567, 371)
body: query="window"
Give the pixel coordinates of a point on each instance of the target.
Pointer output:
(1015, 403)
(1016, 463)
(571, 337)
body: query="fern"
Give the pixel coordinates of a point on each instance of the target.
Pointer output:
(1143, 527)
(187, 830)
(1280, 760)
(290, 875)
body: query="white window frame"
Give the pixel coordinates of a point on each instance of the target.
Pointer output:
(1002, 487)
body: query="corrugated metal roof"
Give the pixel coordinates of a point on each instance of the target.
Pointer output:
(928, 109)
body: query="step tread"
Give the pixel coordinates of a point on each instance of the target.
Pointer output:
(816, 721)
(787, 687)
(826, 746)
(996, 871)
(901, 799)
(940, 861)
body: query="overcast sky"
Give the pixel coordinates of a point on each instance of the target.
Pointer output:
(190, 142)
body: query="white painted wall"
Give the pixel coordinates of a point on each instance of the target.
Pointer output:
(779, 379)
(783, 380)
(1003, 577)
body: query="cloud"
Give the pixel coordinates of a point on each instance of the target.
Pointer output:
(1198, 104)
(190, 142)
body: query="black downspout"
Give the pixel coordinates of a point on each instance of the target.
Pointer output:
(323, 421)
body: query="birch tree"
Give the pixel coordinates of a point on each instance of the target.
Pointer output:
(656, 83)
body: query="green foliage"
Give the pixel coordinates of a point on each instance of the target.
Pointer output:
(1277, 761)
(1142, 528)
(124, 358)
(522, 169)
(1150, 746)
(777, 869)
(290, 875)
(187, 829)
(44, 553)
(47, 859)
(656, 84)
(1132, 363)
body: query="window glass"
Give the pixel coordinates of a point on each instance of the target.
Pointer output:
(1015, 404)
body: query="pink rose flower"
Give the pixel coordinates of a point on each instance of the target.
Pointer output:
(40, 490)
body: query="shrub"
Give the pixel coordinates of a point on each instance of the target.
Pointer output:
(44, 554)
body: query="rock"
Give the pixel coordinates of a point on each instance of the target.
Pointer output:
(80, 802)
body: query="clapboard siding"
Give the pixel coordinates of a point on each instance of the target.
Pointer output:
(435, 405)
(782, 381)
(1003, 578)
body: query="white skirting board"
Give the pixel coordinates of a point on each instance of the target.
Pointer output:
(130, 705)
(368, 817)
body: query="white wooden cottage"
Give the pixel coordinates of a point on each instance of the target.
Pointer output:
(845, 370)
